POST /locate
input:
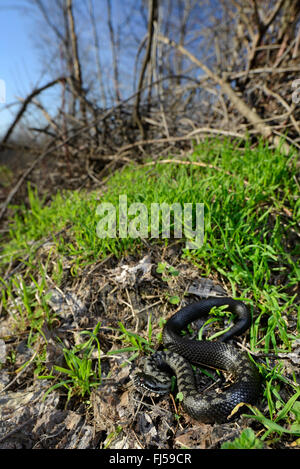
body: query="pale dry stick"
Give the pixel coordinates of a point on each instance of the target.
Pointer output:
(283, 53)
(90, 172)
(194, 163)
(152, 122)
(159, 88)
(20, 373)
(114, 47)
(97, 48)
(234, 76)
(214, 131)
(186, 120)
(281, 137)
(285, 105)
(149, 306)
(269, 47)
(45, 437)
(285, 115)
(128, 305)
(145, 404)
(137, 55)
(47, 116)
(295, 51)
(131, 307)
(75, 59)
(152, 19)
(225, 110)
(188, 136)
(136, 437)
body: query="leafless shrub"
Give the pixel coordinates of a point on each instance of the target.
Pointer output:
(229, 65)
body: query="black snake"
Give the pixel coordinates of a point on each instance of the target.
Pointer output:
(215, 406)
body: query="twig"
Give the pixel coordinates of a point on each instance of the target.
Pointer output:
(29, 98)
(20, 373)
(194, 163)
(188, 136)
(285, 105)
(272, 70)
(153, 11)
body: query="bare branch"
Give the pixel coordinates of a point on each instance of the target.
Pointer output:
(153, 12)
(97, 53)
(114, 52)
(76, 61)
(26, 102)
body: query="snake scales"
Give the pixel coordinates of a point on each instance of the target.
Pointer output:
(212, 407)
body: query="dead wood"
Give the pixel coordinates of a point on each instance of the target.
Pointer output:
(153, 14)
(27, 101)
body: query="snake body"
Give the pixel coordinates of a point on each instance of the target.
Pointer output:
(215, 406)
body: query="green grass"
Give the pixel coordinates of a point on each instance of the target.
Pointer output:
(80, 375)
(251, 201)
(136, 343)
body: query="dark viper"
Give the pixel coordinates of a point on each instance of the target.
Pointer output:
(213, 406)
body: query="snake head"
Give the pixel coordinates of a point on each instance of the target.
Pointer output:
(152, 386)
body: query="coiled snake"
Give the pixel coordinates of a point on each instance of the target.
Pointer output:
(212, 407)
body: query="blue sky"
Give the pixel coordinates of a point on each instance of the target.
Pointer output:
(19, 66)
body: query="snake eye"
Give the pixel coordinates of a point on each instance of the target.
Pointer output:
(148, 383)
